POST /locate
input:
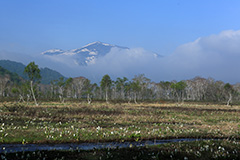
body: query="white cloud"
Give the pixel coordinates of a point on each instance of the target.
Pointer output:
(216, 56)
(67, 60)
(117, 63)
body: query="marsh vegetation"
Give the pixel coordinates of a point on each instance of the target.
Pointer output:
(53, 122)
(74, 122)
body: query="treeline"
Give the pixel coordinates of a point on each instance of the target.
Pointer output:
(139, 88)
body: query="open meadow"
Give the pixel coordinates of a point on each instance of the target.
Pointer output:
(52, 122)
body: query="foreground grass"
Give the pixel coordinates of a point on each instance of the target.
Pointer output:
(74, 122)
(201, 150)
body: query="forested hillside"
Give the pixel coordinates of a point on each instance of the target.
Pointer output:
(13, 77)
(47, 74)
(7, 81)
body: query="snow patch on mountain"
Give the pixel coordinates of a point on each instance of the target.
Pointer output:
(53, 52)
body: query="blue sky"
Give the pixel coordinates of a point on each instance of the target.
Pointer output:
(196, 37)
(159, 26)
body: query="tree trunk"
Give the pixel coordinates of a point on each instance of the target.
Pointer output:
(61, 95)
(122, 93)
(21, 98)
(178, 97)
(89, 99)
(230, 99)
(129, 97)
(35, 101)
(129, 100)
(135, 97)
(61, 98)
(28, 98)
(106, 96)
(182, 97)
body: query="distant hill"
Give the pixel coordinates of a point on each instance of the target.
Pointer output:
(13, 76)
(47, 74)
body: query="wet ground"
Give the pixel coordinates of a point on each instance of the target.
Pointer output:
(9, 148)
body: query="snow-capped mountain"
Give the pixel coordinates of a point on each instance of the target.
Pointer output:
(86, 54)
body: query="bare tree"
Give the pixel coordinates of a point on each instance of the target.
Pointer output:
(4, 80)
(106, 84)
(229, 91)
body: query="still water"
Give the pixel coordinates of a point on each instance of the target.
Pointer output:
(84, 146)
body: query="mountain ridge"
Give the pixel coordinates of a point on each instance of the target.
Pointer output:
(85, 55)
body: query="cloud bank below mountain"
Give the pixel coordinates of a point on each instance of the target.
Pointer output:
(215, 56)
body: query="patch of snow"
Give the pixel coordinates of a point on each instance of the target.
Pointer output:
(52, 51)
(93, 53)
(91, 60)
(84, 50)
(105, 44)
(90, 44)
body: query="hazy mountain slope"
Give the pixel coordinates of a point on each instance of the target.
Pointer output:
(47, 74)
(14, 67)
(13, 76)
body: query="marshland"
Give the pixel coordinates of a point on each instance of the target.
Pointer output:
(214, 126)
